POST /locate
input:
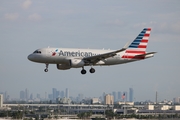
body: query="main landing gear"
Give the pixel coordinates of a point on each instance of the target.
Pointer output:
(83, 71)
(46, 69)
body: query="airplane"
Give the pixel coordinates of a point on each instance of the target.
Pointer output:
(67, 58)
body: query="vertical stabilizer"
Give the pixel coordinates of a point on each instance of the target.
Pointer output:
(138, 46)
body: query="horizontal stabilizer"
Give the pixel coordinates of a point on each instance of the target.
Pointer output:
(144, 55)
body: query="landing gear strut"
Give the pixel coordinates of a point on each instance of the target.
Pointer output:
(46, 69)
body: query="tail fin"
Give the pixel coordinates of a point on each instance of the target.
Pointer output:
(139, 45)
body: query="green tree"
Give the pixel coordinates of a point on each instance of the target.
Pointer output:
(109, 114)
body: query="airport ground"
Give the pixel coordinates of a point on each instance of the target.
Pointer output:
(77, 111)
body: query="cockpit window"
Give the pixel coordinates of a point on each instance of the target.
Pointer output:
(37, 51)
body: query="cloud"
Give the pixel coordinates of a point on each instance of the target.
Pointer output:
(115, 22)
(26, 4)
(34, 17)
(11, 16)
(145, 24)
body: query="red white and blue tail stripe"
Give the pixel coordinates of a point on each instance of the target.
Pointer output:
(138, 46)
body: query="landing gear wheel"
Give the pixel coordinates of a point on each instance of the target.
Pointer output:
(92, 70)
(83, 71)
(45, 70)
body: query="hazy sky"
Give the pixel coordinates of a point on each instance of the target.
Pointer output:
(26, 25)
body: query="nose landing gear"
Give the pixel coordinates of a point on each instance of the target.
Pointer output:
(46, 69)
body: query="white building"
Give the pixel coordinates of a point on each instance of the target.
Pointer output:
(176, 107)
(95, 101)
(63, 100)
(149, 107)
(1, 100)
(125, 103)
(164, 107)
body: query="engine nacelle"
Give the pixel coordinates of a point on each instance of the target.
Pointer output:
(63, 66)
(76, 63)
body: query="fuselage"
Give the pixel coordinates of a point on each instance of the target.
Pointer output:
(62, 55)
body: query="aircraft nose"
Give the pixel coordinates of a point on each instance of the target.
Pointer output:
(30, 57)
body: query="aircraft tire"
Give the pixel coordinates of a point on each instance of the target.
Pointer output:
(45, 70)
(92, 70)
(83, 71)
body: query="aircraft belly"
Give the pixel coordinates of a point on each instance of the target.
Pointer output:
(57, 60)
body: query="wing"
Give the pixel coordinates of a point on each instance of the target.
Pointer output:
(96, 58)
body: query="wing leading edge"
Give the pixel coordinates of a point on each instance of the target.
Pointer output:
(96, 58)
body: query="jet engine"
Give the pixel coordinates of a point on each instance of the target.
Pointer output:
(63, 66)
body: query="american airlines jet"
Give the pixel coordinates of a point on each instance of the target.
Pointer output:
(66, 58)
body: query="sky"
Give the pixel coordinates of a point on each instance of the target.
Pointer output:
(26, 25)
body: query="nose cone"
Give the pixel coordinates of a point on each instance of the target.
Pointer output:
(31, 57)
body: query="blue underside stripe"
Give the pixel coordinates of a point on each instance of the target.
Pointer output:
(133, 46)
(134, 43)
(142, 34)
(139, 37)
(138, 41)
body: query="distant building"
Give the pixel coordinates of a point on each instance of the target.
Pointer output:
(38, 96)
(149, 107)
(176, 107)
(119, 96)
(62, 94)
(54, 92)
(176, 100)
(67, 93)
(131, 94)
(50, 96)
(114, 95)
(31, 97)
(127, 103)
(63, 100)
(80, 97)
(108, 99)
(1, 100)
(26, 94)
(95, 101)
(22, 95)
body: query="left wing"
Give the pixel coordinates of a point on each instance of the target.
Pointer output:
(96, 58)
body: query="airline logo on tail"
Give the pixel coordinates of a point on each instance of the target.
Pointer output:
(138, 46)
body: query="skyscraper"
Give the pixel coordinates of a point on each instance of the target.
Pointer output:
(119, 95)
(108, 99)
(114, 95)
(54, 92)
(26, 94)
(22, 95)
(131, 93)
(62, 94)
(67, 93)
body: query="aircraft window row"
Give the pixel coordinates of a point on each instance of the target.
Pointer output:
(37, 51)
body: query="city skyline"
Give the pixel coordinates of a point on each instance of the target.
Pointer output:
(117, 96)
(27, 25)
